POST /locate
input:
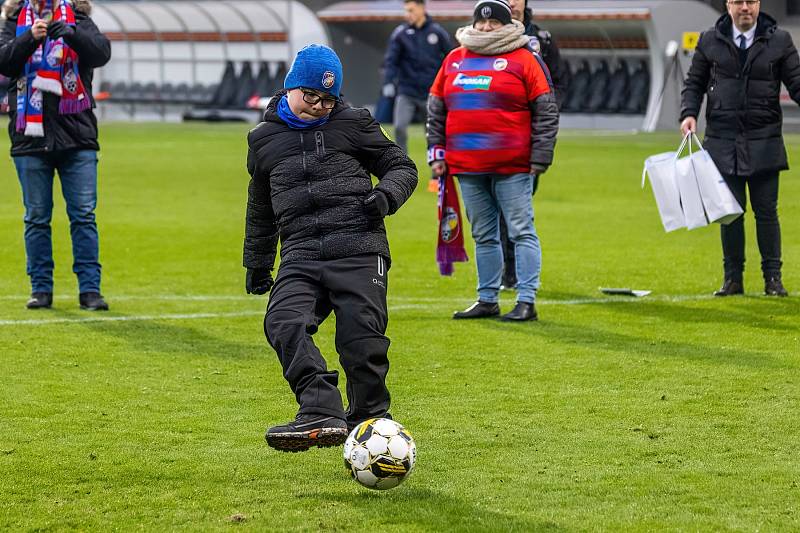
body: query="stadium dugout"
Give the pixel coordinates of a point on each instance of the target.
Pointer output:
(198, 59)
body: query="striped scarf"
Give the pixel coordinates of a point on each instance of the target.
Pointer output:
(53, 68)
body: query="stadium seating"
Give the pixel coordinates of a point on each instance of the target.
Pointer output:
(639, 90)
(578, 89)
(598, 88)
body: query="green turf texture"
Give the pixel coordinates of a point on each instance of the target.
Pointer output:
(677, 411)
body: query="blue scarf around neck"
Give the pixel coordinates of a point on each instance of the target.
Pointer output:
(293, 121)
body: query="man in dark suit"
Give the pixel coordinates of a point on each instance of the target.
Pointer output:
(739, 65)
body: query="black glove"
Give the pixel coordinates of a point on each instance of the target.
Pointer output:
(59, 29)
(535, 183)
(376, 205)
(258, 281)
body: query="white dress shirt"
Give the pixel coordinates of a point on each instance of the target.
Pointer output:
(749, 36)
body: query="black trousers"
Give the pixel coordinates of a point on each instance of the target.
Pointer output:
(304, 295)
(509, 259)
(764, 201)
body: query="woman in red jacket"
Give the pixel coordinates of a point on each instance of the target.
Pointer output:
(492, 122)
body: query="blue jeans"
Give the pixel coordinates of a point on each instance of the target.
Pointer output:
(486, 198)
(77, 170)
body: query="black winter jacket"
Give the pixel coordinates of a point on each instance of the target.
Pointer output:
(743, 112)
(62, 132)
(548, 49)
(414, 56)
(308, 186)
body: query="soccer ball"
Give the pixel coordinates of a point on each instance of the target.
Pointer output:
(380, 453)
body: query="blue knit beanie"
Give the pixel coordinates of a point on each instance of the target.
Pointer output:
(315, 67)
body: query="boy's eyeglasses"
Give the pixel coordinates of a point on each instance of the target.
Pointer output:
(328, 102)
(740, 3)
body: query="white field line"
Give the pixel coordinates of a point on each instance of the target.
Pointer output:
(422, 304)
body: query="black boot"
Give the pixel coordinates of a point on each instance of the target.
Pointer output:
(478, 310)
(729, 288)
(773, 286)
(305, 431)
(40, 300)
(92, 301)
(521, 312)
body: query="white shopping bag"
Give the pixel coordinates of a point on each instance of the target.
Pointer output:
(691, 201)
(718, 200)
(661, 169)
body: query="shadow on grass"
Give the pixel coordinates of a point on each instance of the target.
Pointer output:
(170, 336)
(752, 312)
(715, 352)
(432, 511)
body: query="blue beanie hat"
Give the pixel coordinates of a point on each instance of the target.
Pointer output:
(315, 67)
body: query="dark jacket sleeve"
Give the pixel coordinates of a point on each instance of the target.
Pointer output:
(544, 129)
(694, 87)
(396, 172)
(391, 61)
(559, 71)
(790, 70)
(445, 42)
(93, 48)
(261, 230)
(15, 51)
(436, 122)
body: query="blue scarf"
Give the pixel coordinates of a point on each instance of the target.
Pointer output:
(293, 121)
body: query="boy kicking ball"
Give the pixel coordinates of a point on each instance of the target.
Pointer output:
(310, 162)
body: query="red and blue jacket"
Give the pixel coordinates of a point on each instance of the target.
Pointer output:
(492, 114)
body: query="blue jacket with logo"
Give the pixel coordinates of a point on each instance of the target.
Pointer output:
(414, 57)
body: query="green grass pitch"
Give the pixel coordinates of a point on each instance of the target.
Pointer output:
(676, 411)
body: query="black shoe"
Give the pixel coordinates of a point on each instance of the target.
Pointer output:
(92, 301)
(478, 310)
(40, 300)
(774, 287)
(521, 312)
(351, 425)
(729, 288)
(305, 431)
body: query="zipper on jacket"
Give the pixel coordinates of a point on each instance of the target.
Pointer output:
(303, 150)
(320, 141)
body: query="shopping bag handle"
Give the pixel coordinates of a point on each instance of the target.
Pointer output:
(683, 145)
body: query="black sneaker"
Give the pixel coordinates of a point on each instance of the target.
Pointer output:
(92, 301)
(774, 287)
(40, 300)
(306, 431)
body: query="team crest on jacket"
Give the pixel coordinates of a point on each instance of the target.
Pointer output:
(433, 39)
(449, 226)
(328, 79)
(500, 63)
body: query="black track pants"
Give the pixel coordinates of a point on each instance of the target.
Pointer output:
(305, 293)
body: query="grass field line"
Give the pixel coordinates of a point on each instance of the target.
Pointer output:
(421, 303)
(399, 299)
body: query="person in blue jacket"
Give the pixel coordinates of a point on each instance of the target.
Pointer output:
(415, 53)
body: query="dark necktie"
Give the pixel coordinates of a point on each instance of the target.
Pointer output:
(742, 50)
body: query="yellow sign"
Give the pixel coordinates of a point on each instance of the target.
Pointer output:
(690, 39)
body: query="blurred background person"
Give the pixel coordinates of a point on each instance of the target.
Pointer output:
(50, 51)
(739, 65)
(542, 43)
(492, 122)
(416, 50)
